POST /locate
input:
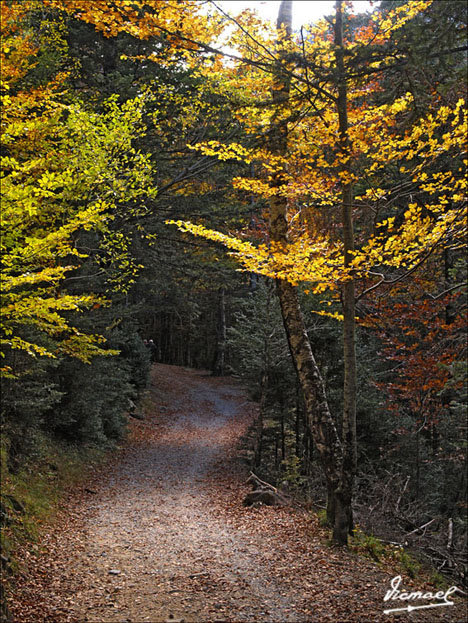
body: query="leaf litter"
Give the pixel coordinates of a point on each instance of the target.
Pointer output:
(165, 536)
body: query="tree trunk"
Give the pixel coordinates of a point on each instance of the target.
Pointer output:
(317, 413)
(259, 424)
(283, 430)
(318, 416)
(297, 428)
(344, 523)
(219, 360)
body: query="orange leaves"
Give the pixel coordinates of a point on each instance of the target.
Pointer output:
(17, 47)
(385, 25)
(423, 345)
(181, 22)
(316, 167)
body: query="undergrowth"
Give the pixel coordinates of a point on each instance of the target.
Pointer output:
(395, 558)
(392, 558)
(30, 497)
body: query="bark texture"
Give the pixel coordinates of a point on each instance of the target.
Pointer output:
(219, 358)
(318, 417)
(343, 511)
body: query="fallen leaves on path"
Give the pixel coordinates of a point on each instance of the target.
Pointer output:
(164, 535)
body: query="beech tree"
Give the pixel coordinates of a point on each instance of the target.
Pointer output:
(340, 185)
(322, 140)
(64, 170)
(329, 143)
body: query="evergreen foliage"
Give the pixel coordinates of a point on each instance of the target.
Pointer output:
(98, 153)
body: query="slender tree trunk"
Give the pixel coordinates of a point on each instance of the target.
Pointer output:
(318, 416)
(264, 383)
(218, 367)
(109, 56)
(418, 464)
(259, 426)
(448, 264)
(317, 412)
(282, 428)
(297, 428)
(343, 513)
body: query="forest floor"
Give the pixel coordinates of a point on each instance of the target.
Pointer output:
(160, 534)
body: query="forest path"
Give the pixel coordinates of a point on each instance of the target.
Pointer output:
(155, 522)
(163, 536)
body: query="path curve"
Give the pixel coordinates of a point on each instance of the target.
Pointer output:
(162, 535)
(155, 525)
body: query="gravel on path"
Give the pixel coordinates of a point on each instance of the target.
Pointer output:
(164, 536)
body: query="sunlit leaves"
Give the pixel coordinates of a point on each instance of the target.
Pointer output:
(182, 23)
(304, 260)
(425, 153)
(64, 170)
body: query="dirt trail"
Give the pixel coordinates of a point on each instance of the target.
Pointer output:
(164, 536)
(155, 525)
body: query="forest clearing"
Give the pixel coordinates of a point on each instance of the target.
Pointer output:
(233, 329)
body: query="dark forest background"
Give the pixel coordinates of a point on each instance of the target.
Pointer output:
(201, 312)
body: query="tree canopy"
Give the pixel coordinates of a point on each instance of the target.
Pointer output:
(143, 138)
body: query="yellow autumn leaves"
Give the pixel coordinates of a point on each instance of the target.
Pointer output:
(63, 171)
(385, 160)
(305, 260)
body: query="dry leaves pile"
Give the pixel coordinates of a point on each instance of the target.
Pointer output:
(161, 533)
